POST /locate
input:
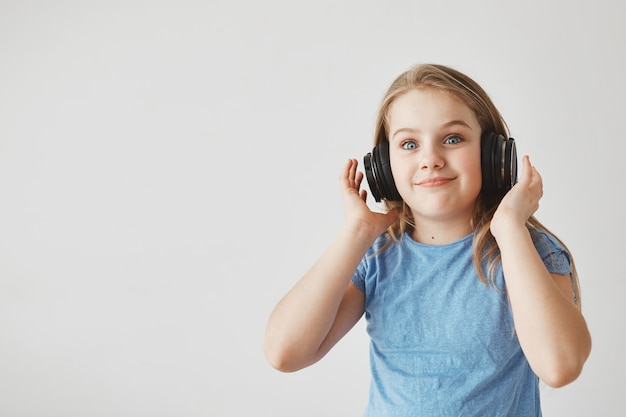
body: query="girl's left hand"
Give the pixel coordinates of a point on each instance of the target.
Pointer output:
(521, 202)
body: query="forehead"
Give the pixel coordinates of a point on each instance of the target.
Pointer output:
(428, 106)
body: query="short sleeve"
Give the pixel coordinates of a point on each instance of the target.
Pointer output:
(358, 278)
(558, 263)
(555, 257)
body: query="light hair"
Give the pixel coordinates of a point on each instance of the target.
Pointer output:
(459, 85)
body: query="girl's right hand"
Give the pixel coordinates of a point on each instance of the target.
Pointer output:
(519, 203)
(354, 201)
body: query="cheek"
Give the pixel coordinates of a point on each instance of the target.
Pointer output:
(471, 166)
(399, 169)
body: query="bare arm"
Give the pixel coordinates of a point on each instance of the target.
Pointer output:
(322, 307)
(551, 329)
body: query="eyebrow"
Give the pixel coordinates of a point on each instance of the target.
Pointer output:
(443, 126)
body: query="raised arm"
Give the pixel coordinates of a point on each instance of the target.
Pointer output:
(322, 306)
(551, 329)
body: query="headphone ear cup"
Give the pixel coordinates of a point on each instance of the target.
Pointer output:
(487, 145)
(378, 174)
(388, 184)
(498, 163)
(510, 160)
(369, 174)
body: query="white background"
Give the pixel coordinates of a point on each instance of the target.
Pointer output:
(168, 170)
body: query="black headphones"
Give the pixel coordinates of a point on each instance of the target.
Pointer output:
(498, 166)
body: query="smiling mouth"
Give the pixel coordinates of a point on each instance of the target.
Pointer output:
(434, 182)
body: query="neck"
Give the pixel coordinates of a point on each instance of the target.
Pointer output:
(440, 233)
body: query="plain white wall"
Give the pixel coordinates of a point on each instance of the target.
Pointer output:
(168, 170)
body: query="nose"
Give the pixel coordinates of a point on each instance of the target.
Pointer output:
(431, 159)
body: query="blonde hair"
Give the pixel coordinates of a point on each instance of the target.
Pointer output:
(459, 85)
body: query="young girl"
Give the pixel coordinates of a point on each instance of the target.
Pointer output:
(469, 300)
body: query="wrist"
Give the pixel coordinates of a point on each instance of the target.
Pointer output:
(362, 231)
(503, 228)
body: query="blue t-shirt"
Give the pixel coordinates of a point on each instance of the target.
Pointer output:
(443, 343)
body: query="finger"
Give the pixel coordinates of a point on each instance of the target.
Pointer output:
(345, 170)
(527, 170)
(538, 181)
(348, 171)
(344, 176)
(353, 165)
(350, 179)
(358, 180)
(537, 176)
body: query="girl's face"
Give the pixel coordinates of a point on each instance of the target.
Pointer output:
(434, 150)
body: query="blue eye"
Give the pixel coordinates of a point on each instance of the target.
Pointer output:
(453, 140)
(409, 145)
